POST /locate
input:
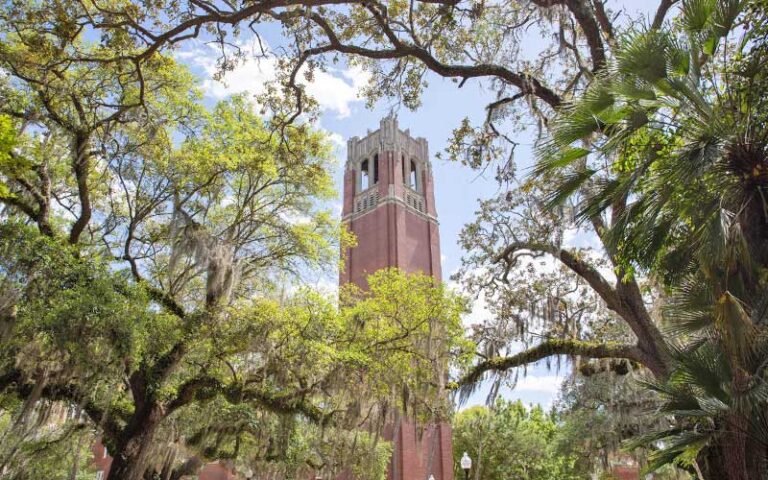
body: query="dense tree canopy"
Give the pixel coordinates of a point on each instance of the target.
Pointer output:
(143, 240)
(146, 231)
(678, 139)
(511, 441)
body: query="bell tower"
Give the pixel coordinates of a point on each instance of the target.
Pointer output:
(389, 204)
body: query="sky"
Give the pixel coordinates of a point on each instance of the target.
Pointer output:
(458, 189)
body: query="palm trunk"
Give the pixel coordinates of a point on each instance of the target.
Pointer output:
(735, 450)
(736, 457)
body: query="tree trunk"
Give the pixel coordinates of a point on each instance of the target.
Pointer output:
(76, 459)
(757, 466)
(191, 467)
(736, 457)
(734, 452)
(135, 443)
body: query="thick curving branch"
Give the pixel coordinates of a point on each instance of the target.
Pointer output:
(624, 298)
(15, 382)
(205, 387)
(582, 12)
(661, 13)
(526, 83)
(81, 169)
(547, 349)
(576, 264)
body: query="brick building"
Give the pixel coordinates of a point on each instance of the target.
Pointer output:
(389, 204)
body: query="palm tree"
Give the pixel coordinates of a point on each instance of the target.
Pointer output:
(674, 136)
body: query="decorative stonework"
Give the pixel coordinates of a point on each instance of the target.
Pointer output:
(402, 176)
(387, 138)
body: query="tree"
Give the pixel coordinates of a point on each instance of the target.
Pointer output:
(399, 42)
(510, 441)
(680, 132)
(601, 417)
(302, 357)
(553, 298)
(143, 248)
(158, 227)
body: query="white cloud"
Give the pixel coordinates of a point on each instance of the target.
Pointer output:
(581, 238)
(336, 93)
(478, 314)
(337, 140)
(478, 307)
(295, 217)
(544, 383)
(328, 286)
(335, 90)
(250, 77)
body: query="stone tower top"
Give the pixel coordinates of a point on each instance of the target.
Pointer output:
(387, 137)
(389, 203)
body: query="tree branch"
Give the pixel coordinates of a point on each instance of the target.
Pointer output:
(205, 387)
(526, 83)
(586, 20)
(81, 167)
(547, 349)
(661, 13)
(14, 381)
(583, 269)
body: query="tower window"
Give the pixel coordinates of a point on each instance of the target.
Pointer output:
(364, 177)
(413, 179)
(376, 169)
(405, 173)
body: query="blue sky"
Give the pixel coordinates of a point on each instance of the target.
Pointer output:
(444, 105)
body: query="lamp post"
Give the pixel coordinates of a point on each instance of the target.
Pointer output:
(466, 465)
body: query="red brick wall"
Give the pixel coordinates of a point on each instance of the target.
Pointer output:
(420, 451)
(391, 235)
(101, 460)
(625, 473)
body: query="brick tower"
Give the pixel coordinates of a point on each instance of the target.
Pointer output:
(389, 204)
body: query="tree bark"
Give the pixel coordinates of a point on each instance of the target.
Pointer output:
(737, 456)
(131, 456)
(734, 449)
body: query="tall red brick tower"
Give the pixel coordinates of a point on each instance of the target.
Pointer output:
(389, 204)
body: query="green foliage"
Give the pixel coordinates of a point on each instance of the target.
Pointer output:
(430, 314)
(151, 290)
(48, 442)
(510, 441)
(259, 364)
(682, 133)
(7, 142)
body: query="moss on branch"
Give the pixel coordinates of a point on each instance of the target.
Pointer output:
(546, 349)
